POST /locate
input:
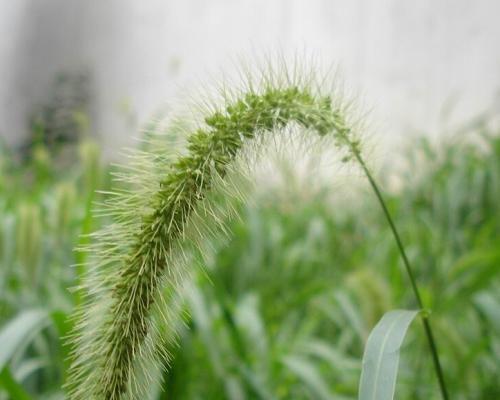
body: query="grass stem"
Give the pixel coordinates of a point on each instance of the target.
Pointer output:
(406, 262)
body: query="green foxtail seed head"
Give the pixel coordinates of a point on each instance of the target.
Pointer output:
(90, 157)
(29, 239)
(139, 257)
(65, 194)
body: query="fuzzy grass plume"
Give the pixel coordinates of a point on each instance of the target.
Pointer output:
(119, 335)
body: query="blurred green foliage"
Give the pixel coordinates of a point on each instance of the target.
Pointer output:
(284, 307)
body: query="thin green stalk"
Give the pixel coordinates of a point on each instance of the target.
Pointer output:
(406, 262)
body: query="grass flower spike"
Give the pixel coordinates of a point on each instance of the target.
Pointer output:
(140, 257)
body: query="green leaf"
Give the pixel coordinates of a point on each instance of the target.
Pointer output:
(489, 306)
(18, 331)
(12, 387)
(306, 372)
(381, 357)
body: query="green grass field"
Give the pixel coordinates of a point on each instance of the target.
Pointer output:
(284, 307)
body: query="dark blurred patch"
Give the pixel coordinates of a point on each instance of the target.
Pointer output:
(64, 117)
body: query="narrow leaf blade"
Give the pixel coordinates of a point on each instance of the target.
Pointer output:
(381, 356)
(16, 331)
(12, 387)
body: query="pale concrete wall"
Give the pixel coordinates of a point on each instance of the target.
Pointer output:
(410, 61)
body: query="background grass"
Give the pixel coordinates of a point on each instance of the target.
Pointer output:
(283, 309)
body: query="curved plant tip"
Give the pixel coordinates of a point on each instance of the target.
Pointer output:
(140, 256)
(138, 262)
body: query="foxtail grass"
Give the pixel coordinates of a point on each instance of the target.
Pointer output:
(119, 339)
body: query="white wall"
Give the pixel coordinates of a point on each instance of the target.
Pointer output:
(410, 60)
